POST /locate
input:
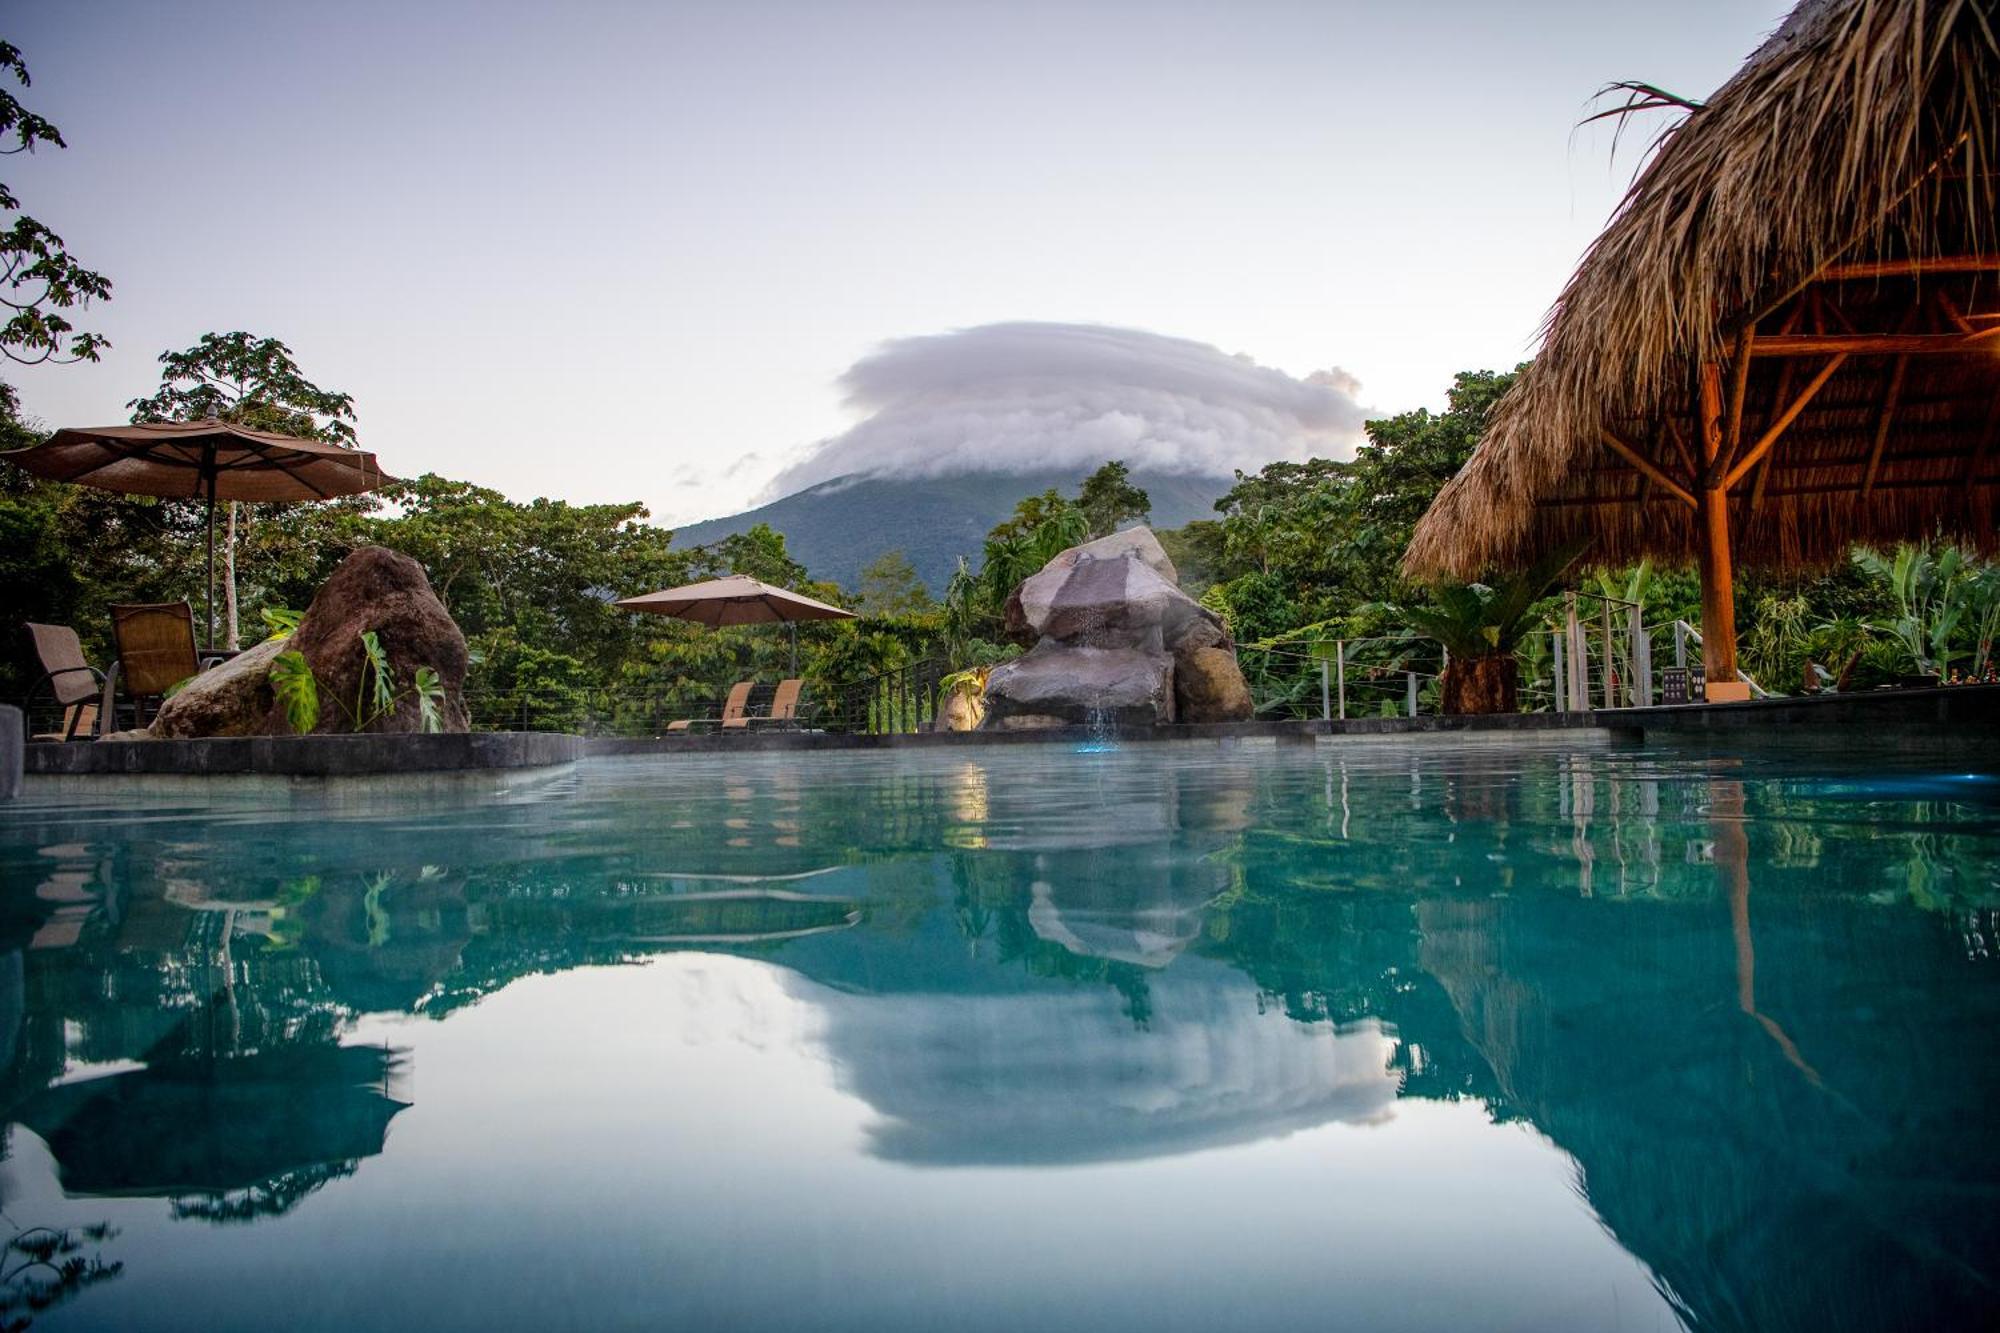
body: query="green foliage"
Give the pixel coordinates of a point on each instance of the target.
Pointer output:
(1487, 619)
(429, 690)
(281, 621)
(39, 279)
(372, 704)
(296, 691)
(890, 587)
(1108, 498)
(1933, 591)
(248, 380)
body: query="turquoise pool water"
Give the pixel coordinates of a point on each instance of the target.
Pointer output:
(1160, 1038)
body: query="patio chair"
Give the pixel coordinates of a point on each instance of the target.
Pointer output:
(732, 710)
(156, 652)
(72, 681)
(784, 706)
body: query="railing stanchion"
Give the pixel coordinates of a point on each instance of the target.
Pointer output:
(1410, 691)
(1340, 670)
(1642, 657)
(1325, 690)
(1559, 673)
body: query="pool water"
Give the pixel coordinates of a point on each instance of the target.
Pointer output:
(1154, 1037)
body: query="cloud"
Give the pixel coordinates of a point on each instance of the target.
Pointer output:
(1028, 397)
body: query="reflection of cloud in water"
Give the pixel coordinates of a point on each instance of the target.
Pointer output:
(1062, 1075)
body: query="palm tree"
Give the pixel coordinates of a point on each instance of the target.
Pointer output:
(1480, 625)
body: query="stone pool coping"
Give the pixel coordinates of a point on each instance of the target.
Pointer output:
(1550, 725)
(305, 756)
(1951, 719)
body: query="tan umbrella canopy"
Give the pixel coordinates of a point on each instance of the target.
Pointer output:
(736, 600)
(202, 460)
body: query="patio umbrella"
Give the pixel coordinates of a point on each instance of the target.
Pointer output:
(736, 600)
(202, 460)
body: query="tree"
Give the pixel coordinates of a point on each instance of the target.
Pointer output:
(39, 278)
(890, 587)
(1480, 626)
(1107, 498)
(252, 382)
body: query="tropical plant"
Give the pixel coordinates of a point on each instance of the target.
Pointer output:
(1930, 597)
(297, 690)
(1479, 625)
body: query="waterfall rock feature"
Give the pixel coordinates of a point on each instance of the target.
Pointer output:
(1112, 632)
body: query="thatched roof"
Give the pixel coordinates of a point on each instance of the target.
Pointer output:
(1860, 137)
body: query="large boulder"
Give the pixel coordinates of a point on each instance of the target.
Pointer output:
(1121, 686)
(232, 698)
(1209, 686)
(380, 590)
(1111, 630)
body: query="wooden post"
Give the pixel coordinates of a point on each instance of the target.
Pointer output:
(1718, 593)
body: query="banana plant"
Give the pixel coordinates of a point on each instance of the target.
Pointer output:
(1931, 596)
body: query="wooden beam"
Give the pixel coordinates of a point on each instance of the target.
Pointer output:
(1647, 467)
(1672, 430)
(1985, 447)
(1785, 418)
(1953, 315)
(1739, 381)
(1718, 593)
(1889, 401)
(1908, 268)
(1877, 344)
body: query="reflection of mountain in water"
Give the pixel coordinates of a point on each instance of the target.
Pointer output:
(1756, 1030)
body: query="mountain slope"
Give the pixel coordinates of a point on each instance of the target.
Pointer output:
(837, 527)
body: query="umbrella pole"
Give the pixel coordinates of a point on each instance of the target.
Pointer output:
(211, 563)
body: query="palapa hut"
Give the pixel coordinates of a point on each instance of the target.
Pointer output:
(1788, 338)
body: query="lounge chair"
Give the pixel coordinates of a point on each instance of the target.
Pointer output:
(784, 706)
(156, 652)
(72, 681)
(732, 710)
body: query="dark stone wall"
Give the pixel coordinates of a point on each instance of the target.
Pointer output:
(13, 730)
(310, 756)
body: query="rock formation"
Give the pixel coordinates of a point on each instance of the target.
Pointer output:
(1114, 640)
(232, 698)
(378, 589)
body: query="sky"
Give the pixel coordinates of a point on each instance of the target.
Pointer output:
(662, 252)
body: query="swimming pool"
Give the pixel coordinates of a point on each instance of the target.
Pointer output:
(1165, 1037)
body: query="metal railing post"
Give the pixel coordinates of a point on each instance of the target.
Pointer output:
(1642, 657)
(1680, 643)
(1559, 673)
(1610, 661)
(1579, 658)
(1340, 670)
(1325, 691)
(1410, 679)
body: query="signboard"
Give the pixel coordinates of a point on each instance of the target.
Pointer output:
(1674, 685)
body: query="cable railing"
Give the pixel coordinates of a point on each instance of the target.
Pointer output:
(1598, 654)
(901, 700)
